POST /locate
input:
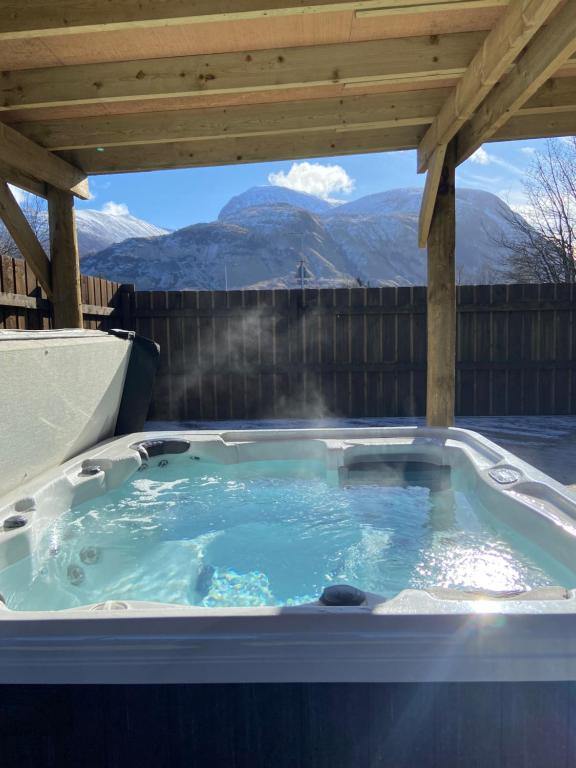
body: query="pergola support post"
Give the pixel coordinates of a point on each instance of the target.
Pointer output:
(66, 297)
(441, 371)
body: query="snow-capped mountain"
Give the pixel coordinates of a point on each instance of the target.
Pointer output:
(254, 246)
(257, 197)
(98, 230)
(262, 234)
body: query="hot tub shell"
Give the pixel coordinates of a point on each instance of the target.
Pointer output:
(419, 635)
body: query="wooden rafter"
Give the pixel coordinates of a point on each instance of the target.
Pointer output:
(436, 6)
(37, 18)
(290, 146)
(510, 35)
(548, 125)
(348, 113)
(556, 95)
(224, 151)
(18, 179)
(512, 32)
(341, 114)
(24, 236)
(29, 159)
(377, 60)
(554, 45)
(433, 178)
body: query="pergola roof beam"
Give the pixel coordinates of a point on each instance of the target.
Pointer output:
(428, 204)
(291, 146)
(391, 61)
(30, 159)
(546, 53)
(510, 35)
(20, 180)
(251, 149)
(347, 113)
(541, 126)
(386, 110)
(38, 18)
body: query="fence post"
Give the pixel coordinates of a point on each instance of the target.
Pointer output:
(127, 306)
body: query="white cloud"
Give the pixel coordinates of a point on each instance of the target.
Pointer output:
(528, 150)
(487, 180)
(115, 209)
(481, 157)
(315, 179)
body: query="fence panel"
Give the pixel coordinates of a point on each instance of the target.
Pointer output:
(328, 352)
(357, 352)
(24, 305)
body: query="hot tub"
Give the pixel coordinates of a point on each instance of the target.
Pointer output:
(371, 554)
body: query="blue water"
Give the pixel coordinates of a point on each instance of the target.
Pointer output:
(268, 533)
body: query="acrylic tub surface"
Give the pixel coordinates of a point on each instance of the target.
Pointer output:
(229, 607)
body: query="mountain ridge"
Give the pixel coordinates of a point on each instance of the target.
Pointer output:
(261, 235)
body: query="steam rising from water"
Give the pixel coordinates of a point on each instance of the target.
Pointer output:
(258, 363)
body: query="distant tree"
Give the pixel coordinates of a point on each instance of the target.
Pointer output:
(542, 245)
(486, 275)
(34, 208)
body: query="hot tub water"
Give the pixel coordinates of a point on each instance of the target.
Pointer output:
(268, 533)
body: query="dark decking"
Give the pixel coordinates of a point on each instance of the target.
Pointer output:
(287, 726)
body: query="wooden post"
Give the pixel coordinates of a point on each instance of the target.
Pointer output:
(126, 303)
(441, 382)
(66, 297)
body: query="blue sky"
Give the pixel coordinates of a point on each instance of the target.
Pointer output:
(175, 199)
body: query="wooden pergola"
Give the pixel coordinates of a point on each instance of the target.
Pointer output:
(90, 87)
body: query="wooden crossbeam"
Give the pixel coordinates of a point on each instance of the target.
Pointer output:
(428, 205)
(30, 159)
(349, 113)
(510, 35)
(246, 149)
(436, 6)
(18, 179)
(547, 125)
(549, 49)
(292, 146)
(24, 236)
(38, 18)
(385, 110)
(556, 95)
(240, 72)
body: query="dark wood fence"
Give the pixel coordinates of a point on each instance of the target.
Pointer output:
(356, 352)
(315, 353)
(23, 304)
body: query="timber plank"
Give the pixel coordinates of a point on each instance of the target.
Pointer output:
(342, 351)
(207, 356)
(7, 286)
(192, 400)
(247, 71)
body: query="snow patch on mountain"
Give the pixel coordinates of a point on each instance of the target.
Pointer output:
(259, 196)
(99, 229)
(261, 235)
